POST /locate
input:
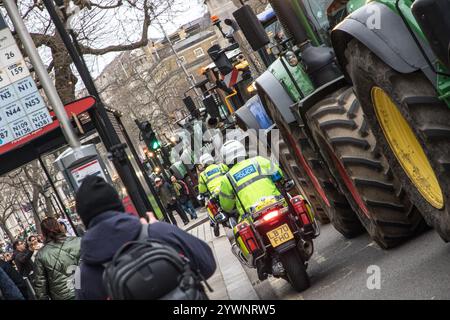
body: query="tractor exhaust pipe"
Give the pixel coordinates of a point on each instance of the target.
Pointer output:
(292, 25)
(433, 16)
(319, 61)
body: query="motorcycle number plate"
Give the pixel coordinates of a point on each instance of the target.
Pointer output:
(280, 235)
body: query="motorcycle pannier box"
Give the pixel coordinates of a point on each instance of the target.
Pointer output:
(246, 238)
(302, 211)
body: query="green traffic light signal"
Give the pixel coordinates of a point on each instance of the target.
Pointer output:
(155, 145)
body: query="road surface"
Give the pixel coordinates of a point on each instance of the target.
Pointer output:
(419, 269)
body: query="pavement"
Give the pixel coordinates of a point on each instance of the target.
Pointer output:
(339, 269)
(202, 218)
(230, 281)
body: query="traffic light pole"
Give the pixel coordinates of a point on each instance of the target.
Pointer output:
(141, 167)
(161, 166)
(100, 118)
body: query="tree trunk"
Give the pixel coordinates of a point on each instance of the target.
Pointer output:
(65, 80)
(36, 217)
(37, 222)
(49, 212)
(7, 231)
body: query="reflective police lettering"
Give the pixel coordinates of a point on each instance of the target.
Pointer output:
(213, 171)
(244, 172)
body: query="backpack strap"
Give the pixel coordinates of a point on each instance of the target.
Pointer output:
(184, 186)
(143, 235)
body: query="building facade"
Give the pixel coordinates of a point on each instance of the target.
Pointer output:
(149, 84)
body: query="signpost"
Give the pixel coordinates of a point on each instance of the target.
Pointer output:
(22, 108)
(74, 108)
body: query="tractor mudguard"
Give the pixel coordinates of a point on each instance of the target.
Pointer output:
(299, 109)
(270, 85)
(388, 38)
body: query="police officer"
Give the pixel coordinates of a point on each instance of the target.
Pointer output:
(211, 177)
(209, 183)
(248, 181)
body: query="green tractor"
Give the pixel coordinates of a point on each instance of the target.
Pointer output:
(313, 105)
(395, 53)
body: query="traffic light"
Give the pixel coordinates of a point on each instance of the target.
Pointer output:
(148, 135)
(220, 59)
(155, 144)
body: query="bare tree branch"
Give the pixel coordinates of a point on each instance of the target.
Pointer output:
(115, 48)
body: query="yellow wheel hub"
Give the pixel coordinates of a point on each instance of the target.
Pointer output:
(407, 148)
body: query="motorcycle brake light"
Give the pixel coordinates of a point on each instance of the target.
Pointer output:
(271, 215)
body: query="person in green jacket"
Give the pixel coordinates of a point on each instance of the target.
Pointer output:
(56, 263)
(249, 181)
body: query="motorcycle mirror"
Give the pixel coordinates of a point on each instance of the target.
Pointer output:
(221, 218)
(289, 185)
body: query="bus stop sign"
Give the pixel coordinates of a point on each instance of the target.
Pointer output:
(22, 108)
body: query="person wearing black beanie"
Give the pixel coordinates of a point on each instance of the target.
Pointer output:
(109, 227)
(94, 197)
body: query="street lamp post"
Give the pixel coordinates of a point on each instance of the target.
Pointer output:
(179, 60)
(55, 190)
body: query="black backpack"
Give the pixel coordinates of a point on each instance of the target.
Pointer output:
(147, 269)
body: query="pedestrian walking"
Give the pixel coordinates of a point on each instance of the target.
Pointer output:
(168, 198)
(15, 277)
(182, 192)
(109, 228)
(23, 258)
(8, 258)
(56, 263)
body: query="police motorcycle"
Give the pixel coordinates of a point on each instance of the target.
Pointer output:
(276, 237)
(215, 213)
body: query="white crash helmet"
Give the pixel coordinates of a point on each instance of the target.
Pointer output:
(232, 152)
(206, 159)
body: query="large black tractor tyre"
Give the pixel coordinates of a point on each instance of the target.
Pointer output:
(349, 148)
(290, 166)
(341, 215)
(428, 118)
(295, 270)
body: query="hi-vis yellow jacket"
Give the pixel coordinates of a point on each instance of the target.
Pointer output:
(252, 180)
(211, 177)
